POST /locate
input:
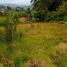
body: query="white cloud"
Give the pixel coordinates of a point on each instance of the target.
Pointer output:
(16, 1)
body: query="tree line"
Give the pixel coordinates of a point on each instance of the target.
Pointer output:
(50, 10)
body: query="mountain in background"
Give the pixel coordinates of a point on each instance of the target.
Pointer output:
(14, 5)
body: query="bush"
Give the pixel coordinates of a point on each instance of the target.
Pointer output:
(38, 16)
(65, 18)
(2, 19)
(56, 16)
(19, 62)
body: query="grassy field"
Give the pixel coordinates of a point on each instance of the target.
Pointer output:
(39, 45)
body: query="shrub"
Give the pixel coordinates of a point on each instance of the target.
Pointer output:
(56, 16)
(19, 62)
(65, 18)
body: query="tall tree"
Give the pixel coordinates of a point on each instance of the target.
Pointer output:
(42, 7)
(54, 4)
(47, 4)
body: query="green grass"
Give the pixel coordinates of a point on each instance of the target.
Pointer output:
(37, 44)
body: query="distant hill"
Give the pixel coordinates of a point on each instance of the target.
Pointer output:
(7, 4)
(14, 5)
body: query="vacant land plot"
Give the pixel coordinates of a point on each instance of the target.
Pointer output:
(39, 45)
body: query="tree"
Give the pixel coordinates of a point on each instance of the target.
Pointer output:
(51, 5)
(28, 11)
(41, 6)
(8, 8)
(63, 7)
(55, 4)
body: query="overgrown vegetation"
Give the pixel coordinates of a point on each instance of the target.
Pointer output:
(50, 10)
(37, 44)
(24, 44)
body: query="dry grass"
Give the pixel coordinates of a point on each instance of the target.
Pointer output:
(38, 42)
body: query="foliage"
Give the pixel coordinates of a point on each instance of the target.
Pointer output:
(63, 7)
(59, 15)
(38, 44)
(35, 44)
(51, 10)
(55, 16)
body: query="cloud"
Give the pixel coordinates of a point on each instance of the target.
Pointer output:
(16, 1)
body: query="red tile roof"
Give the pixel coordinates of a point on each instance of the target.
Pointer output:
(23, 19)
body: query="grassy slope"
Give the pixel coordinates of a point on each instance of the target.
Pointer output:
(36, 43)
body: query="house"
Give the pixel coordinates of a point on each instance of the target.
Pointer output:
(24, 19)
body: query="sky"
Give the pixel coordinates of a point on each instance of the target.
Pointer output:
(19, 2)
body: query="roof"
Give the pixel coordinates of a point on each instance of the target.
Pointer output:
(23, 19)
